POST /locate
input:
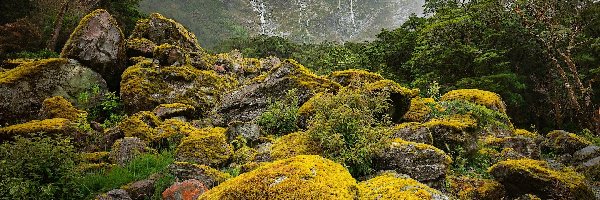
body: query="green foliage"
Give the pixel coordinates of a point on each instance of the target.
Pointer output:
(589, 135)
(38, 167)
(109, 112)
(138, 169)
(472, 165)
(41, 54)
(281, 116)
(349, 127)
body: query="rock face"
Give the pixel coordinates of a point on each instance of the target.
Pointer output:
(300, 177)
(422, 162)
(394, 186)
(186, 190)
(23, 89)
(249, 101)
(98, 43)
(526, 176)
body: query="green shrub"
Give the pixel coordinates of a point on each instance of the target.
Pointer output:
(486, 118)
(38, 167)
(349, 127)
(281, 116)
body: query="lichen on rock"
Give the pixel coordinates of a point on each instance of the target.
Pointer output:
(207, 146)
(47, 126)
(485, 98)
(59, 107)
(394, 186)
(294, 144)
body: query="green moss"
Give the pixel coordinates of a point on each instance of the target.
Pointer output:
(307, 108)
(171, 131)
(526, 133)
(347, 77)
(30, 69)
(141, 125)
(488, 99)
(294, 144)
(300, 177)
(392, 186)
(244, 155)
(206, 146)
(59, 107)
(457, 122)
(51, 126)
(420, 109)
(392, 87)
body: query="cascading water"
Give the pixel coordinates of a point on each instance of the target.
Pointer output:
(266, 27)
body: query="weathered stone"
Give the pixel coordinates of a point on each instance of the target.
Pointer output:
(586, 153)
(23, 89)
(186, 190)
(166, 111)
(126, 149)
(169, 55)
(250, 131)
(161, 30)
(413, 132)
(140, 47)
(143, 189)
(116, 194)
(99, 43)
(209, 176)
(474, 188)
(564, 142)
(525, 146)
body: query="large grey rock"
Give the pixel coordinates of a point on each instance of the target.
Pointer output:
(586, 153)
(23, 89)
(99, 43)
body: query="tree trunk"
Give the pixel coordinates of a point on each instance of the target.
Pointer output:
(58, 25)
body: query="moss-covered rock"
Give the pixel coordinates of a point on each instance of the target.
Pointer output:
(294, 144)
(171, 132)
(250, 101)
(211, 177)
(166, 111)
(399, 97)
(561, 141)
(526, 176)
(140, 47)
(394, 186)
(23, 89)
(347, 77)
(141, 125)
(95, 157)
(145, 86)
(189, 189)
(485, 98)
(300, 177)
(420, 109)
(125, 150)
(59, 107)
(48, 126)
(250, 132)
(170, 55)
(207, 146)
(244, 155)
(475, 188)
(420, 161)
(525, 146)
(98, 43)
(454, 132)
(413, 132)
(161, 30)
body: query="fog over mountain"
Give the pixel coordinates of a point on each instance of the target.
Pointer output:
(298, 20)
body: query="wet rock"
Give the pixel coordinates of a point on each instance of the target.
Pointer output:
(399, 97)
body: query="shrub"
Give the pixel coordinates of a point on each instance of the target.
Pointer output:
(38, 168)
(281, 116)
(349, 128)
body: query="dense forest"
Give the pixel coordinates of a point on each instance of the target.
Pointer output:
(482, 99)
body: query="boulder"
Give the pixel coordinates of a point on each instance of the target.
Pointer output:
(126, 149)
(170, 133)
(146, 85)
(586, 153)
(412, 132)
(526, 176)
(249, 131)
(524, 146)
(294, 144)
(143, 189)
(116, 194)
(300, 177)
(395, 186)
(99, 44)
(186, 190)
(250, 101)
(48, 126)
(23, 89)
(485, 98)
(564, 142)
(141, 125)
(140, 47)
(170, 55)
(243, 155)
(210, 177)
(452, 133)
(160, 30)
(166, 111)
(207, 146)
(59, 107)
(422, 162)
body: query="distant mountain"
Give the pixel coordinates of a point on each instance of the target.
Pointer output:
(298, 20)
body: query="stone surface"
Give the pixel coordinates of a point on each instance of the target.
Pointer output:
(99, 44)
(23, 89)
(209, 176)
(413, 132)
(250, 131)
(161, 30)
(126, 149)
(186, 190)
(561, 141)
(586, 153)
(116, 194)
(143, 189)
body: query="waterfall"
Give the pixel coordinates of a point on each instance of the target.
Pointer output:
(259, 7)
(352, 17)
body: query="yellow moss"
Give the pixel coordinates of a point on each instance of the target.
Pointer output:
(59, 107)
(30, 69)
(76, 34)
(212, 173)
(474, 188)
(391, 86)
(206, 146)
(419, 109)
(244, 155)
(308, 108)
(390, 186)
(525, 133)
(541, 170)
(300, 177)
(143, 25)
(485, 98)
(56, 125)
(346, 77)
(458, 122)
(95, 157)
(141, 125)
(164, 50)
(140, 43)
(558, 138)
(400, 143)
(294, 144)
(303, 77)
(174, 128)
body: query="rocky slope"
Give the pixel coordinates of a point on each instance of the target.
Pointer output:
(212, 108)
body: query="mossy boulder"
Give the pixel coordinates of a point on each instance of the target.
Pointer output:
(209, 176)
(234, 64)
(115, 194)
(420, 109)
(524, 146)
(125, 150)
(23, 89)
(172, 131)
(48, 126)
(59, 107)
(145, 86)
(485, 98)
(243, 155)
(161, 30)
(300, 177)
(412, 132)
(170, 55)
(207, 146)
(140, 47)
(99, 44)
(250, 101)
(422, 162)
(454, 132)
(294, 144)
(175, 110)
(561, 141)
(248, 131)
(526, 176)
(395, 186)
(141, 125)
(475, 188)
(398, 96)
(347, 77)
